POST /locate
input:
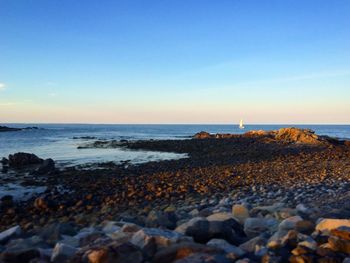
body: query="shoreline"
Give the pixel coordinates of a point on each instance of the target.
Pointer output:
(254, 170)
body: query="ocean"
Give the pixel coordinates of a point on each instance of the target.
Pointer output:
(59, 141)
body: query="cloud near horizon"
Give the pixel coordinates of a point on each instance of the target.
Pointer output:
(2, 86)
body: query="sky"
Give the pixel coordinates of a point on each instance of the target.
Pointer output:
(167, 61)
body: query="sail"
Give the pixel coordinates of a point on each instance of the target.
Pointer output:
(241, 124)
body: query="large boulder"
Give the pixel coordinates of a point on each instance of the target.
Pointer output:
(20, 160)
(256, 226)
(202, 135)
(295, 135)
(326, 225)
(152, 239)
(219, 225)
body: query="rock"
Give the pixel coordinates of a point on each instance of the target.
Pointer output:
(23, 250)
(179, 251)
(219, 225)
(62, 253)
(305, 227)
(48, 166)
(255, 226)
(130, 228)
(289, 223)
(111, 227)
(341, 232)
(121, 237)
(19, 160)
(19, 256)
(7, 129)
(70, 241)
(240, 212)
(309, 243)
(10, 233)
(301, 208)
(256, 133)
(232, 251)
(340, 245)
(204, 258)
(151, 239)
(4, 161)
(302, 258)
(296, 135)
(223, 225)
(41, 204)
(197, 228)
(250, 245)
(330, 224)
(202, 135)
(7, 201)
(282, 238)
(116, 253)
(54, 232)
(270, 208)
(163, 219)
(89, 237)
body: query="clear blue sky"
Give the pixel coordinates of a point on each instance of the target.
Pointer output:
(180, 61)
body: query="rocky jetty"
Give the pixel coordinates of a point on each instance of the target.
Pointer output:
(286, 135)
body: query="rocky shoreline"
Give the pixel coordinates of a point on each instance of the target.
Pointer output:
(258, 197)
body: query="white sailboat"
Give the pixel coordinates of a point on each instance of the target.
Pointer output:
(241, 124)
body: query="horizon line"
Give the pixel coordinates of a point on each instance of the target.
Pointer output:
(246, 124)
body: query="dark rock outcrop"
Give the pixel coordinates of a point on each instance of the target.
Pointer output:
(48, 166)
(19, 160)
(8, 129)
(296, 135)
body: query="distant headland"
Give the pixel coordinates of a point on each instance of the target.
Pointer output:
(9, 129)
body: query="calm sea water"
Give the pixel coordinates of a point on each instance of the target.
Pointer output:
(56, 140)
